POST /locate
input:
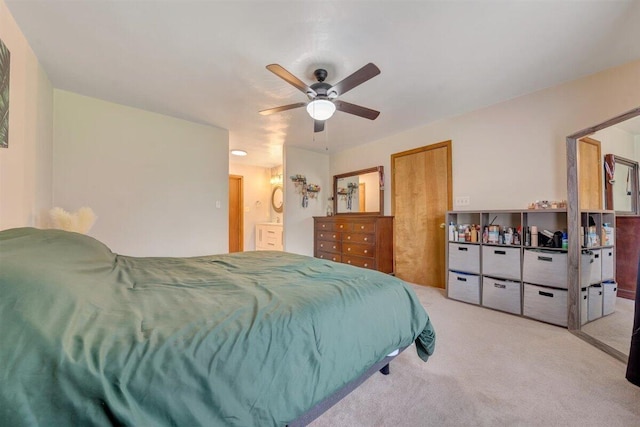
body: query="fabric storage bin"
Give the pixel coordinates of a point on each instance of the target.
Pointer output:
(464, 287)
(546, 304)
(595, 302)
(584, 305)
(596, 267)
(464, 257)
(547, 268)
(607, 264)
(503, 262)
(502, 295)
(609, 294)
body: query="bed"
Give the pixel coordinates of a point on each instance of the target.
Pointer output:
(90, 337)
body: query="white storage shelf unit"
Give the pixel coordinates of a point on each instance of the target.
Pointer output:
(523, 278)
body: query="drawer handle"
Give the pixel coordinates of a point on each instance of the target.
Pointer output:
(321, 234)
(362, 227)
(615, 289)
(600, 293)
(546, 294)
(334, 258)
(500, 252)
(366, 238)
(460, 248)
(349, 249)
(545, 258)
(348, 237)
(596, 256)
(271, 244)
(366, 251)
(366, 265)
(498, 285)
(584, 297)
(349, 262)
(334, 236)
(610, 253)
(322, 245)
(462, 279)
(341, 225)
(334, 247)
(270, 232)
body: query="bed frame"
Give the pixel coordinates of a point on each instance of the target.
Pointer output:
(317, 410)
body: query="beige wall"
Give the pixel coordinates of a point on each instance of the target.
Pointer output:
(25, 167)
(298, 221)
(158, 185)
(510, 154)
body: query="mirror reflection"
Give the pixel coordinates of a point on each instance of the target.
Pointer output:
(358, 192)
(620, 183)
(277, 199)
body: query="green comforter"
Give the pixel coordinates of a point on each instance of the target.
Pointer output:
(89, 337)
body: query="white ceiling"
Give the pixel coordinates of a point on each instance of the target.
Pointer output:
(205, 61)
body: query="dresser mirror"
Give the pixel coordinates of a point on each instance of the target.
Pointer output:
(359, 192)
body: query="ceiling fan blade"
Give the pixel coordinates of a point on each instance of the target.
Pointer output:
(347, 107)
(362, 75)
(291, 79)
(318, 125)
(283, 108)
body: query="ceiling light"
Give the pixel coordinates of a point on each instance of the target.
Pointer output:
(321, 109)
(238, 152)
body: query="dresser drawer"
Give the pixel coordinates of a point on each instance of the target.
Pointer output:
(503, 262)
(361, 249)
(464, 287)
(546, 304)
(332, 236)
(502, 295)
(324, 225)
(328, 246)
(358, 237)
(464, 257)
(364, 227)
(330, 256)
(607, 264)
(359, 261)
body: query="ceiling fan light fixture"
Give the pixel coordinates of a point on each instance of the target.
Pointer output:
(321, 109)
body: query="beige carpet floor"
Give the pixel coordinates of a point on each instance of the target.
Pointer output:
(615, 328)
(493, 369)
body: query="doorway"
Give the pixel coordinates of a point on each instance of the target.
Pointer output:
(421, 194)
(236, 214)
(590, 170)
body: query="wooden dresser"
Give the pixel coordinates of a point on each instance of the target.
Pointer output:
(360, 240)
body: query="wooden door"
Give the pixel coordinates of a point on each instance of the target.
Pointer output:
(236, 214)
(421, 195)
(590, 174)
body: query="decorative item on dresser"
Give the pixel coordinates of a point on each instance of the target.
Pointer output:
(359, 240)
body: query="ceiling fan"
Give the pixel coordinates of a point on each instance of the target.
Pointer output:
(322, 96)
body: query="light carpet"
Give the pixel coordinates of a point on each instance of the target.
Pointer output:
(493, 369)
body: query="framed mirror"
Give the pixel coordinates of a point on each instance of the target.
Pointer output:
(610, 333)
(277, 199)
(359, 192)
(621, 185)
